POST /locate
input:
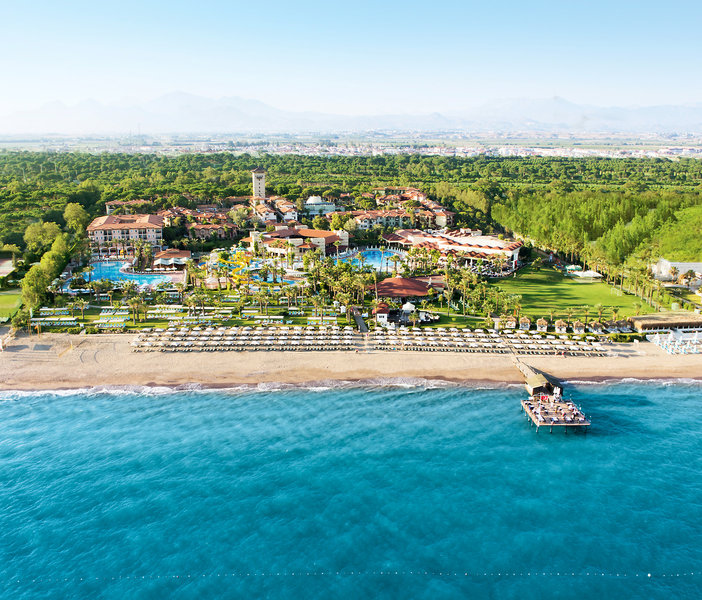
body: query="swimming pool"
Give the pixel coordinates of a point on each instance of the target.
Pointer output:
(112, 270)
(374, 258)
(238, 269)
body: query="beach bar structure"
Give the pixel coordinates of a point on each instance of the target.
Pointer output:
(667, 321)
(546, 406)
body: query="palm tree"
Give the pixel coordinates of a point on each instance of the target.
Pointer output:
(134, 303)
(258, 298)
(374, 304)
(394, 259)
(316, 303)
(143, 307)
(129, 287)
(465, 283)
(658, 287)
(615, 313)
(81, 305)
(569, 311)
(599, 309)
(586, 310)
(181, 289)
(266, 299)
(447, 295)
(689, 276)
(344, 299)
(94, 287)
(190, 302)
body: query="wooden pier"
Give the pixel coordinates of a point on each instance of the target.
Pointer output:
(545, 406)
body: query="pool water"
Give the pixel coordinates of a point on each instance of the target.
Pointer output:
(374, 258)
(112, 270)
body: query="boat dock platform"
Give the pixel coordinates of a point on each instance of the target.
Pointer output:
(550, 413)
(545, 406)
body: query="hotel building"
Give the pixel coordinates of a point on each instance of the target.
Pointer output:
(124, 231)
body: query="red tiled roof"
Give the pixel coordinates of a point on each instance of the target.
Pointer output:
(382, 308)
(316, 233)
(397, 287)
(110, 222)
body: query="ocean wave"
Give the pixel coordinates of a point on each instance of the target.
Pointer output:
(310, 386)
(323, 386)
(635, 380)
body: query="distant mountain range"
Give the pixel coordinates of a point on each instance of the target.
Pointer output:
(187, 113)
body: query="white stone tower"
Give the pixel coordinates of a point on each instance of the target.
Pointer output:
(259, 182)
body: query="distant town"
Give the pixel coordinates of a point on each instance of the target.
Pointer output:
(378, 143)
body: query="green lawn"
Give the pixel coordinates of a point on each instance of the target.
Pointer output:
(548, 289)
(688, 295)
(9, 302)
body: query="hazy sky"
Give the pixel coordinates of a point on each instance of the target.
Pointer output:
(352, 57)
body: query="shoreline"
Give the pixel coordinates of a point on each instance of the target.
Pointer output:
(67, 362)
(338, 384)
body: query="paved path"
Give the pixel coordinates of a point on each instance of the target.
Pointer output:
(362, 327)
(363, 330)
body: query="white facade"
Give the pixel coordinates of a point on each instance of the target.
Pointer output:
(151, 236)
(126, 229)
(316, 205)
(661, 269)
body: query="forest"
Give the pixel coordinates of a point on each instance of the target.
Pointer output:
(611, 211)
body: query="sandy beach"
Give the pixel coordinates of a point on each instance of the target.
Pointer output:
(58, 361)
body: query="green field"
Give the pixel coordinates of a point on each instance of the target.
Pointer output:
(9, 302)
(547, 289)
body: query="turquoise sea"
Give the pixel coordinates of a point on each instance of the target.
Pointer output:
(404, 490)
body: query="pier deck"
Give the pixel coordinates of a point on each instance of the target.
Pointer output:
(549, 412)
(545, 405)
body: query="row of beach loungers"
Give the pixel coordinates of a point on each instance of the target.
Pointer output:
(458, 340)
(212, 339)
(55, 321)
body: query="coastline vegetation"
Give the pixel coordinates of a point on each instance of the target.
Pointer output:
(613, 215)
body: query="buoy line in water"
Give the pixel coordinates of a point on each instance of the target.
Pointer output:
(389, 573)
